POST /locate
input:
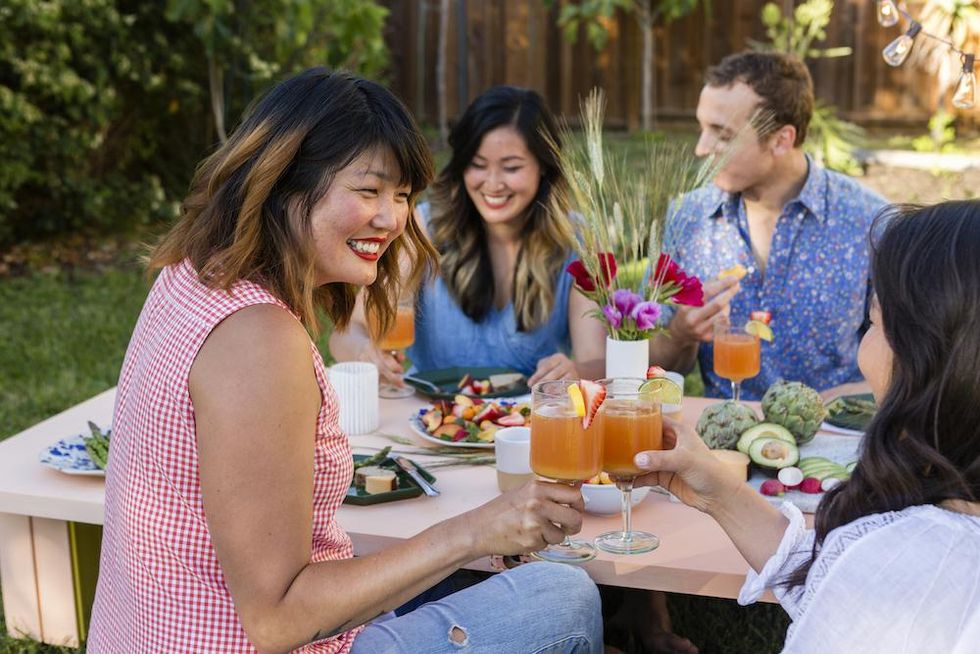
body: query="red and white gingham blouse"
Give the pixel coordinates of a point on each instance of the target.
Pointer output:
(161, 588)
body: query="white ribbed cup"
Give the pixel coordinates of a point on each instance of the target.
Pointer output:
(356, 384)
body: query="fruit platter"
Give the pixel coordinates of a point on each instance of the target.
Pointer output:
(466, 421)
(790, 461)
(486, 383)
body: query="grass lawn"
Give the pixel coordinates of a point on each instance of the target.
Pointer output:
(64, 338)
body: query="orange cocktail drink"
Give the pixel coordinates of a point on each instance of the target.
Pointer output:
(564, 450)
(560, 448)
(402, 333)
(737, 356)
(628, 428)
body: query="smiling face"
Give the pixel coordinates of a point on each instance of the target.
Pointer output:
(875, 355)
(503, 177)
(363, 211)
(723, 114)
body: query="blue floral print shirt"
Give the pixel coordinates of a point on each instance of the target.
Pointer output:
(816, 283)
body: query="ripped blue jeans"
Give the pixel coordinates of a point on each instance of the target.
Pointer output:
(536, 608)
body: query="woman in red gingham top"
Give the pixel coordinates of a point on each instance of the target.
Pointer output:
(228, 465)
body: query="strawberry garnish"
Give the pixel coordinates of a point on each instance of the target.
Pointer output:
(594, 394)
(656, 372)
(762, 316)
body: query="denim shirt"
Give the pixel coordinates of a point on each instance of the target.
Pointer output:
(446, 337)
(816, 283)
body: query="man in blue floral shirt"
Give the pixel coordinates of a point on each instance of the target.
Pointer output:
(799, 230)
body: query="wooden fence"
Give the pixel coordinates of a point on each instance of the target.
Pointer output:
(518, 42)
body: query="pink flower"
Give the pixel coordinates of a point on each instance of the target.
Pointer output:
(646, 315)
(625, 300)
(585, 281)
(675, 284)
(613, 316)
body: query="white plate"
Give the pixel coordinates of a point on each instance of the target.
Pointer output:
(415, 422)
(70, 457)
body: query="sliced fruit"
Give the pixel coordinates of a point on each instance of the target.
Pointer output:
(463, 400)
(593, 394)
(773, 453)
(432, 419)
(663, 390)
(465, 381)
(763, 430)
(761, 316)
(577, 399)
(760, 329)
(450, 433)
(655, 371)
(511, 420)
(487, 434)
(790, 476)
(738, 271)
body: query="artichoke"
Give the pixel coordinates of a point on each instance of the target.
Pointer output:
(720, 425)
(795, 406)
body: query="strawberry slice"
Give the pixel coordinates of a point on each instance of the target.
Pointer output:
(762, 316)
(656, 372)
(594, 394)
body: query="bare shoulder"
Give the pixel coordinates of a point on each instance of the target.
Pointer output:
(260, 351)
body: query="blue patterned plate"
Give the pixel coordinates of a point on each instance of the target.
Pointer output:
(69, 456)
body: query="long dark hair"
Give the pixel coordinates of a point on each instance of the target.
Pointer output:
(457, 229)
(247, 214)
(923, 445)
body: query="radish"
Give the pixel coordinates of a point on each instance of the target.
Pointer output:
(791, 477)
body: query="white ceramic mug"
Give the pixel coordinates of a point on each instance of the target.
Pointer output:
(512, 446)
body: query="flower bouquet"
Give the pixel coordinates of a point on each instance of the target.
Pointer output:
(625, 209)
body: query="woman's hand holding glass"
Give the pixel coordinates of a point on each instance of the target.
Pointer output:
(687, 469)
(526, 519)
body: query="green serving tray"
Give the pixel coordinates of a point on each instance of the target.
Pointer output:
(406, 485)
(448, 378)
(855, 421)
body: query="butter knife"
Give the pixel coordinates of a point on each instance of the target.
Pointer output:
(413, 472)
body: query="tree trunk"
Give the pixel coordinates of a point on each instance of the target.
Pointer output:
(443, 93)
(216, 86)
(646, 18)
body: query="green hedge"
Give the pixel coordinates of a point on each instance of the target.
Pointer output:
(105, 105)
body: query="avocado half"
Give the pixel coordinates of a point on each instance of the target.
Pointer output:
(773, 453)
(763, 430)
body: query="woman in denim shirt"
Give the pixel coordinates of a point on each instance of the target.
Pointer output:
(499, 220)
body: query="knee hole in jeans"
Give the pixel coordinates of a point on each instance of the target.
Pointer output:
(457, 636)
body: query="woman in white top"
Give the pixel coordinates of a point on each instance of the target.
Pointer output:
(894, 562)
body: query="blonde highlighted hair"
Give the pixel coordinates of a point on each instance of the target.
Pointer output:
(247, 214)
(457, 228)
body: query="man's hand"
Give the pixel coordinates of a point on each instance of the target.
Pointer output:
(696, 324)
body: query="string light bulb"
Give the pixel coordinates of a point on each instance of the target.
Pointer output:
(896, 52)
(963, 97)
(887, 13)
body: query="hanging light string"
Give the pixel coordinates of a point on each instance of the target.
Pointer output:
(896, 52)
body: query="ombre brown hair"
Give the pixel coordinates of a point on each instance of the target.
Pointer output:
(458, 230)
(247, 214)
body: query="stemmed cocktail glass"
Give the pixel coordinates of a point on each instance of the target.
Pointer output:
(562, 450)
(737, 353)
(630, 422)
(399, 337)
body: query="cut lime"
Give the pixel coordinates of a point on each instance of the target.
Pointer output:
(578, 402)
(663, 390)
(760, 329)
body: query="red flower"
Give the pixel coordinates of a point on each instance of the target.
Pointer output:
(585, 281)
(677, 285)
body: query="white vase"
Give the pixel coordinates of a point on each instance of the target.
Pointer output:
(627, 358)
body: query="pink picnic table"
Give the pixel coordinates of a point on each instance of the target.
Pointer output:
(44, 515)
